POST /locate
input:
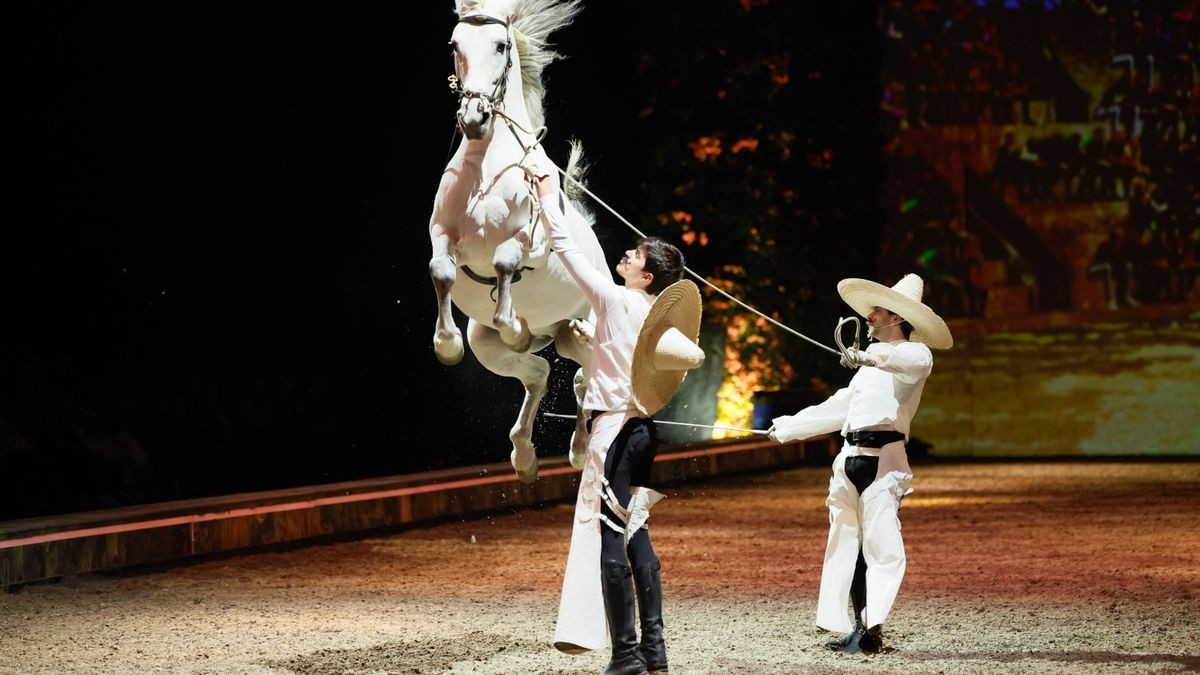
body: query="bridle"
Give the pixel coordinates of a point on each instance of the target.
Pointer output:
(486, 102)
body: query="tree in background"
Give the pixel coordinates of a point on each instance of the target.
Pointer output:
(760, 120)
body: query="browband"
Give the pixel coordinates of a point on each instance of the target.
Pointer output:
(482, 20)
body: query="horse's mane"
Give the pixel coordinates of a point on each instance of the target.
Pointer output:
(533, 21)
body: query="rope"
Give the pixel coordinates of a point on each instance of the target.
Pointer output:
(540, 133)
(700, 278)
(761, 432)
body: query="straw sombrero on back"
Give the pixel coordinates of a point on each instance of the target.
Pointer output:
(903, 299)
(666, 347)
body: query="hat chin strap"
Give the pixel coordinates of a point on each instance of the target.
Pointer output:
(872, 330)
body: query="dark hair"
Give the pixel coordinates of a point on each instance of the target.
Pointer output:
(905, 327)
(663, 260)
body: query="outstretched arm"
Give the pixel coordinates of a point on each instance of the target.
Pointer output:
(600, 289)
(823, 418)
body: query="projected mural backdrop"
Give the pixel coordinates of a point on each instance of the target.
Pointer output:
(1040, 173)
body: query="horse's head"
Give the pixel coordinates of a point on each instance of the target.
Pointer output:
(484, 56)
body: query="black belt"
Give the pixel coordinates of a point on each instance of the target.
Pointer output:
(592, 416)
(873, 439)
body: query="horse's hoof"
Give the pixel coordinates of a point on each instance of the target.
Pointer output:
(522, 344)
(577, 454)
(525, 474)
(578, 457)
(448, 351)
(519, 338)
(451, 360)
(448, 347)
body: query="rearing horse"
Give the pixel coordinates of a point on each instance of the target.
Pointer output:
(485, 230)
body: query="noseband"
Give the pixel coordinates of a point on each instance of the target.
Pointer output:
(486, 101)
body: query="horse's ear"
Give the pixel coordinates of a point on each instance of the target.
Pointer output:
(499, 9)
(466, 7)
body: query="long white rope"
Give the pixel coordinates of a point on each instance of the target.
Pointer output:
(540, 133)
(689, 271)
(761, 432)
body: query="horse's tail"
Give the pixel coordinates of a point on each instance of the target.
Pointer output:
(576, 169)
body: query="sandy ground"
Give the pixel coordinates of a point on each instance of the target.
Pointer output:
(1013, 568)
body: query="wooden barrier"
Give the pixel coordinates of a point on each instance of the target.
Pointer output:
(37, 549)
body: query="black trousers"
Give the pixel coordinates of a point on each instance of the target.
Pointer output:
(861, 471)
(627, 465)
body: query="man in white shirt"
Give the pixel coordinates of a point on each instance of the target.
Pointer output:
(607, 564)
(864, 555)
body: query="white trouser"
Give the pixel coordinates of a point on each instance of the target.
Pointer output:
(582, 623)
(871, 521)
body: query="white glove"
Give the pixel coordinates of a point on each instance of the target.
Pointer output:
(529, 164)
(855, 358)
(773, 434)
(583, 331)
(640, 502)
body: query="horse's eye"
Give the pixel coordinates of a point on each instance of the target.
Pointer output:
(500, 47)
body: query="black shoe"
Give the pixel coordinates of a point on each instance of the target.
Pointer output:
(864, 640)
(837, 644)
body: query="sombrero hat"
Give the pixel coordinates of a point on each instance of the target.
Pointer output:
(903, 299)
(666, 347)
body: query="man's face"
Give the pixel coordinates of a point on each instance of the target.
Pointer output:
(881, 324)
(632, 267)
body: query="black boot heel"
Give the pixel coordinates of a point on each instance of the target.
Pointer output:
(864, 640)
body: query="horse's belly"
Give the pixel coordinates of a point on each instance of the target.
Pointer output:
(544, 297)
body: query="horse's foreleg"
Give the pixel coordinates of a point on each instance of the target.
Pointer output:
(514, 329)
(533, 371)
(447, 338)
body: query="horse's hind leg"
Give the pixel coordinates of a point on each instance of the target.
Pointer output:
(568, 346)
(579, 437)
(447, 338)
(533, 371)
(514, 329)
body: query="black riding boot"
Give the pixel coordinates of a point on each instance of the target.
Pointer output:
(648, 582)
(858, 600)
(622, 629)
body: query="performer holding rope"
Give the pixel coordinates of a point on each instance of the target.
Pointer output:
(864, 555)
(641, 348)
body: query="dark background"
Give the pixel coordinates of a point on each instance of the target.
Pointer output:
(215, 267)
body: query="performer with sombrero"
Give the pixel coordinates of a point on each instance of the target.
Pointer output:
(642, 347)
(864, 555)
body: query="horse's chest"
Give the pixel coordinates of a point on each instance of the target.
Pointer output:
(493, 217)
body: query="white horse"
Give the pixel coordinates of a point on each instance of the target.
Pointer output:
(484, 229)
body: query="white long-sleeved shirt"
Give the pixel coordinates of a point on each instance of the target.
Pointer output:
(884, 396)
(619, 313)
